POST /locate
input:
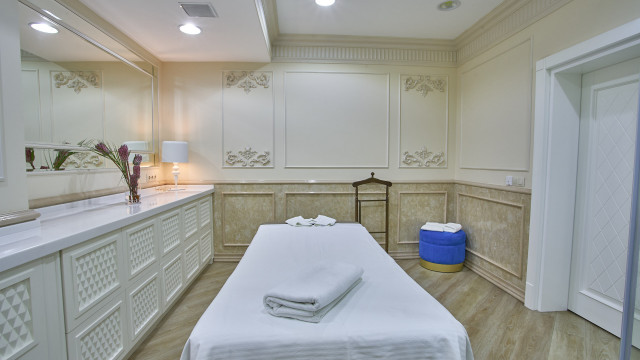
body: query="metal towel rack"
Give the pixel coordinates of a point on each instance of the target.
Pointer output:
(358, 204)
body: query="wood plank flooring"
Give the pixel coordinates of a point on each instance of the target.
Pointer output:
(499, 326)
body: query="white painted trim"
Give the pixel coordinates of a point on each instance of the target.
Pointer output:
(557, 101)
(446, 120)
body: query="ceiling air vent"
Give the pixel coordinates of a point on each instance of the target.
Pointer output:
(198, 9)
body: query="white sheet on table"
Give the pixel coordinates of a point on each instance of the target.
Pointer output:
(387, 316)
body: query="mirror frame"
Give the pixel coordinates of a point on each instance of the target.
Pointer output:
(151, 74)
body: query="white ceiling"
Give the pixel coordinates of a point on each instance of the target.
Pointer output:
(237, 34)
(418, 19)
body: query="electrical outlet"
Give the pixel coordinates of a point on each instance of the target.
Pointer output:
(508, 180)
(518, 180)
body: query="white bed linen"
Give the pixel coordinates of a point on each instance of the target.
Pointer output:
(387, 315)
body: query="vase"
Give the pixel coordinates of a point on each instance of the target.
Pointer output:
(133, 199)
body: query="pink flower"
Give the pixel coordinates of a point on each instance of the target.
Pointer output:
(137, 159)
(123, 151)
(136, 170)
(102, 148)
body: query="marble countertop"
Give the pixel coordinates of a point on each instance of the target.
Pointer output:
(62, 226)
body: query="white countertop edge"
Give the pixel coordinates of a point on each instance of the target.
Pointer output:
(25, 246)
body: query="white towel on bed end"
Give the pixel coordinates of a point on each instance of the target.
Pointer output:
(433, 226)
(452, 227)
(299, 221)
(311, 295)
(322, 220)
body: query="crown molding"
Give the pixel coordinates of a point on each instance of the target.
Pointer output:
(363, 49)
(505, 20)
(362, 55)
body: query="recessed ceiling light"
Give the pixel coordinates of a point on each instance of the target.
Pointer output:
(448, 5)
(325, 2)
(190, 29)
(43, 27)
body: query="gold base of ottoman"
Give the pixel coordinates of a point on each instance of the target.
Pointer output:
(440, 267)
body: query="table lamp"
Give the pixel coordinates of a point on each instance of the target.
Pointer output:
(175, 152)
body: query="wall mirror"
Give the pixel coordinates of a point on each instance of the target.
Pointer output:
(78, 84)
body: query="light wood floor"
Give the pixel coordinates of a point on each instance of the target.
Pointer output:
(499, 326)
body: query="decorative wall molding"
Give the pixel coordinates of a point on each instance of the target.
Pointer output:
(507, 19)
(83, 160)
(77, 80)
(517, 273)
(362, 54)
(246, 224)
(412, 211)
(248, 158)
(424, 158)
(424, 84)
(247, 80)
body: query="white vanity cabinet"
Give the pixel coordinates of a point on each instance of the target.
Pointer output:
(117, 286)
(31, 321)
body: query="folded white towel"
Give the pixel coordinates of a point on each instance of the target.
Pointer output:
(452, 227)
(311, 295)
(433, 226)
(322, 220)
(299, 221)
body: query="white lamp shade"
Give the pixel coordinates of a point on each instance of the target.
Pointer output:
(175, 151)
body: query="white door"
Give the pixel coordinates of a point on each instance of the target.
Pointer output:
(603, 199)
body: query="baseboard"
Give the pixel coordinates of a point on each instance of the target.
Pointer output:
(404, 255)
(507, 287)
(227, 258)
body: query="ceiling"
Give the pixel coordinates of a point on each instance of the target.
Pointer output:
(237, 34)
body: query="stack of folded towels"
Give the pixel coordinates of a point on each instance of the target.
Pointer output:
(321, 220)
(311, 295)
(448, 227)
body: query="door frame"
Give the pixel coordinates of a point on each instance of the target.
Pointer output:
(555, 159)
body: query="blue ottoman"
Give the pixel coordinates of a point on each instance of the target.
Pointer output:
(442, 251)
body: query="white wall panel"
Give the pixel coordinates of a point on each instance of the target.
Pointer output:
(495, 119)
(247, 118)
(336, 119)
(423, 120)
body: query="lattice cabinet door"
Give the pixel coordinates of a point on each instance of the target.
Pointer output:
(191, 220)
(103, 336)
(205, 212)
(141, 247)
(206, 246)
(92, 271)
(144, 304)
(30, 302)
(171, 232)
(192, 259)
(173, 278)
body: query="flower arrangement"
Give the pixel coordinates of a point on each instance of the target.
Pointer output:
(30, 157)
(120, 157)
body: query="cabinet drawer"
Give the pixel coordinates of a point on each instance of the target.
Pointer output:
(91, 272)
(141, 246)
(103, 336)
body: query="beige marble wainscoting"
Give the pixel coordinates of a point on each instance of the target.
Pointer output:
(497, 225)
(495, 218)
